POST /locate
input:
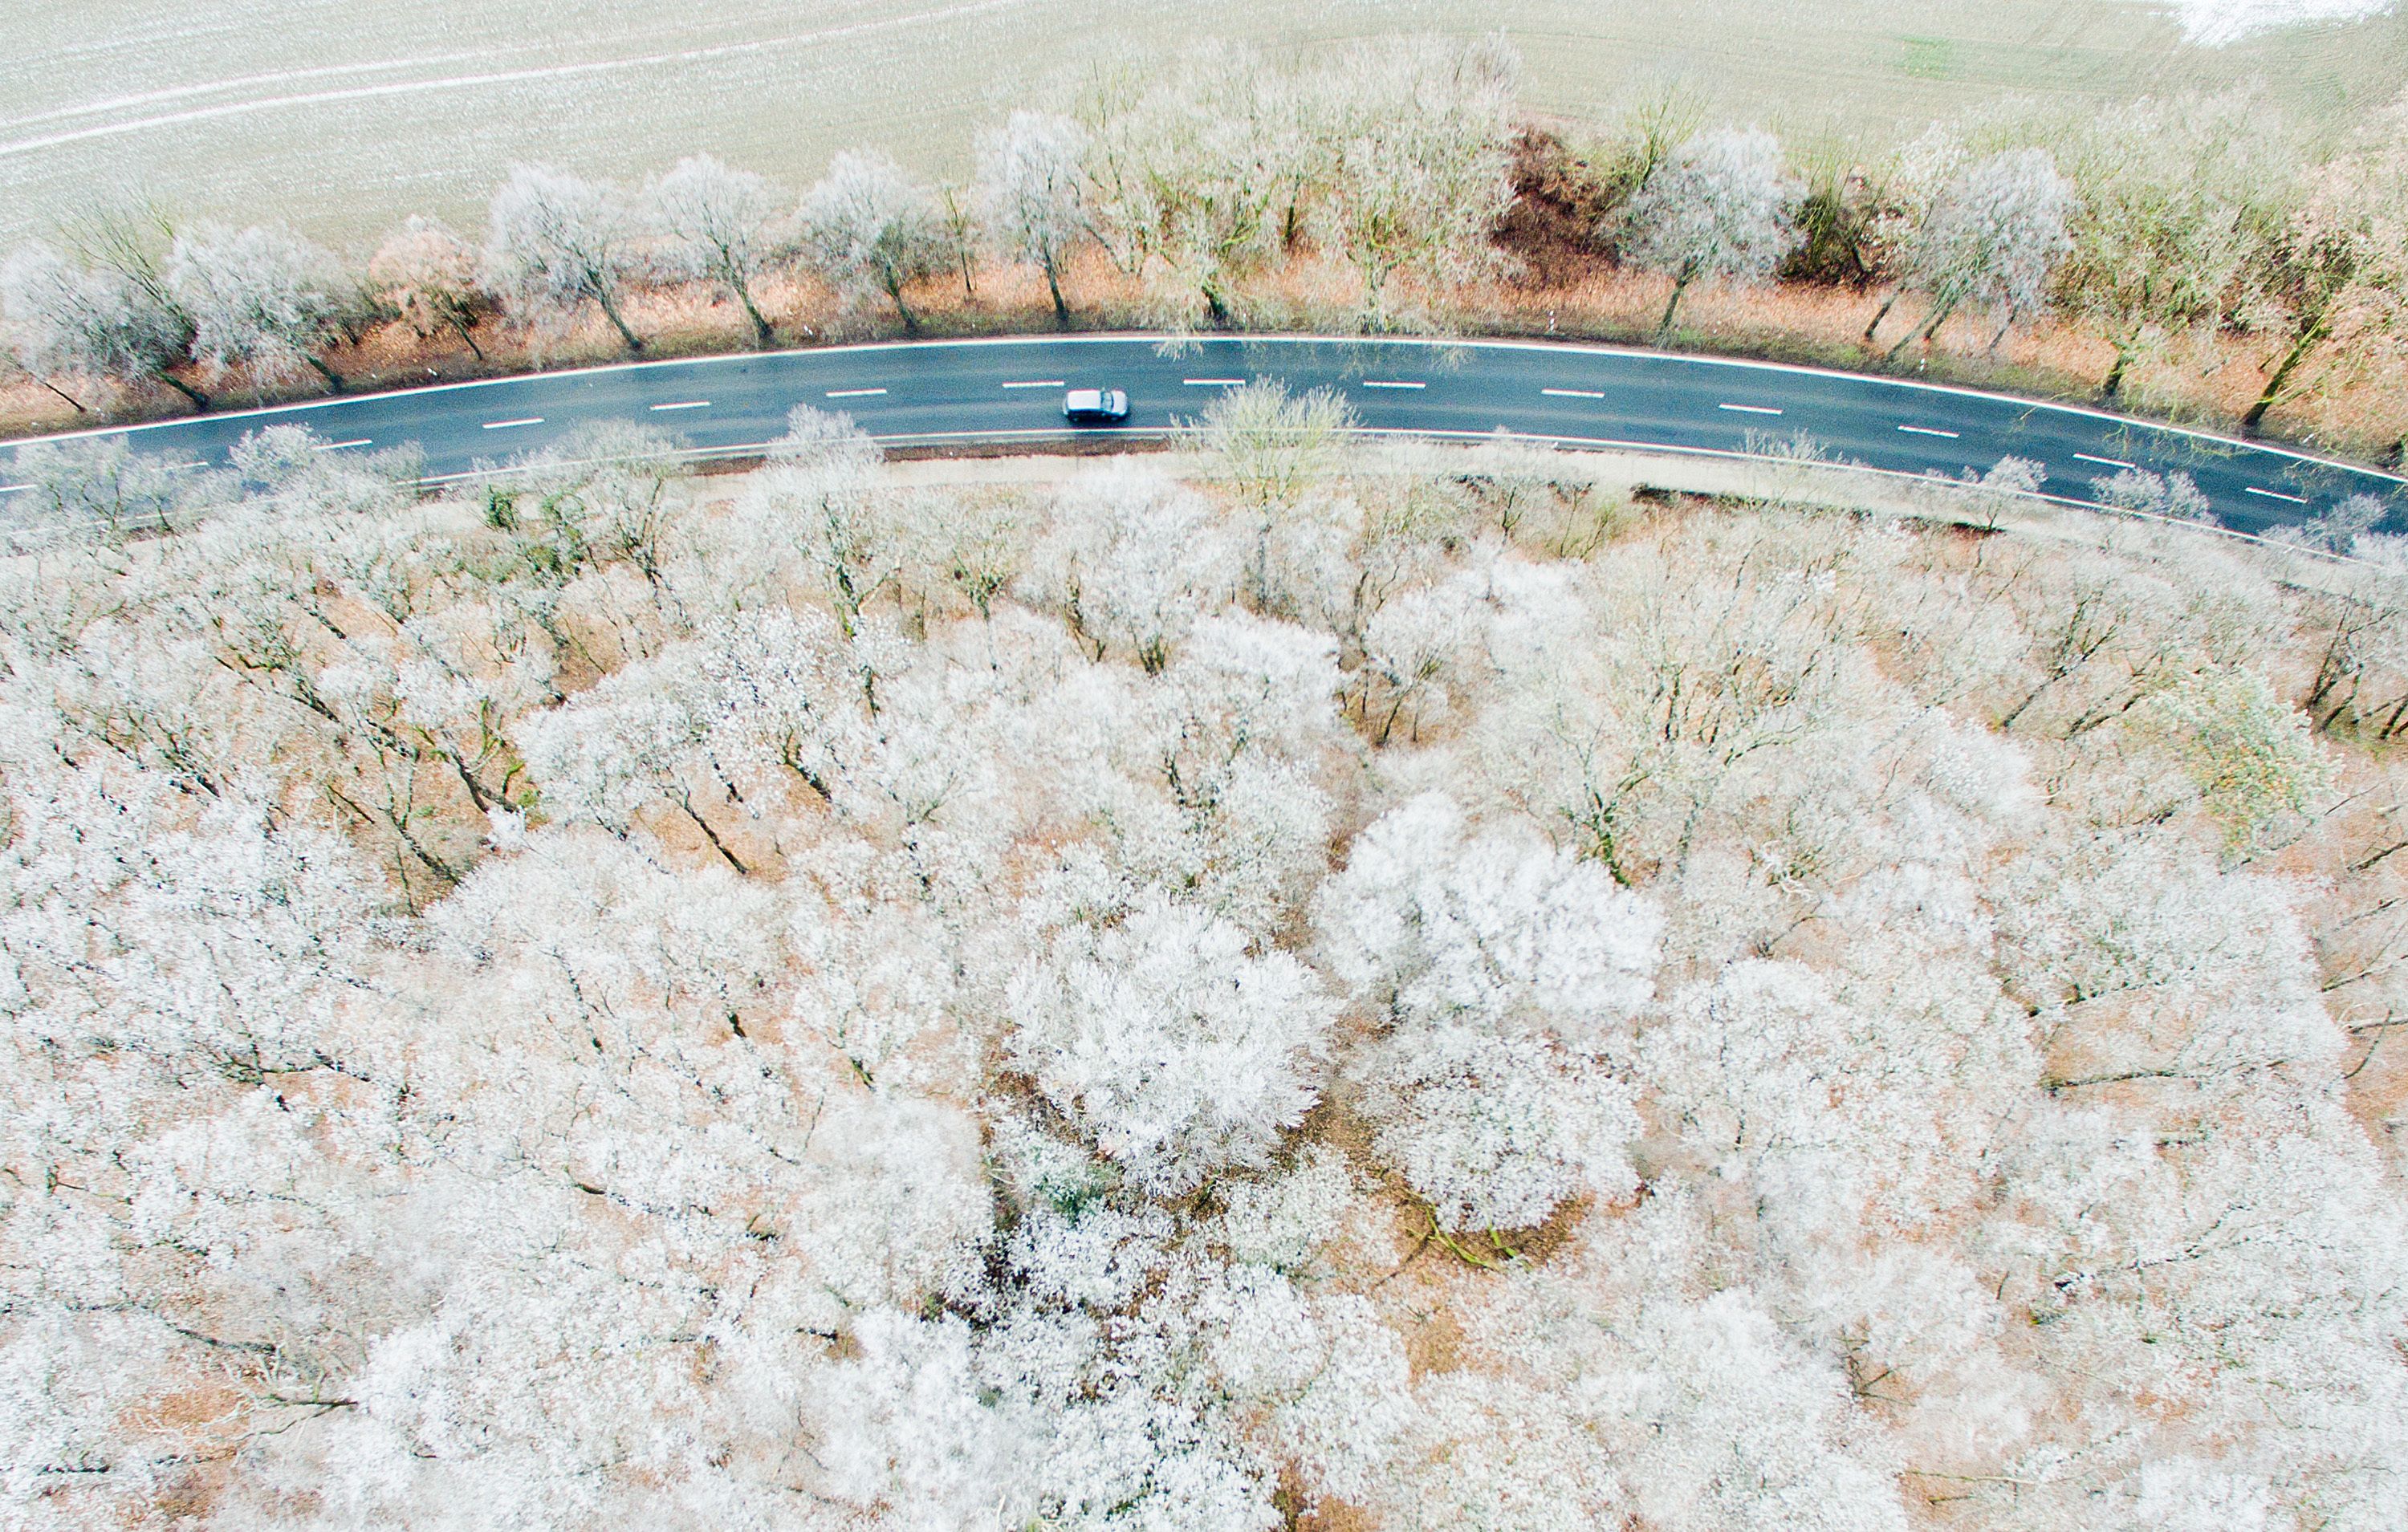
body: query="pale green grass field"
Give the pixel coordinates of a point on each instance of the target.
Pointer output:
(341, 116)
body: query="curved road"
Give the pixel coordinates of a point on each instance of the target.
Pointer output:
(934, 391)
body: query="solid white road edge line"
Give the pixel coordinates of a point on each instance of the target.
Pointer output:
(1928, 431)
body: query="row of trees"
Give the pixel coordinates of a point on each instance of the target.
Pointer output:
(2146, 223)
(141, 300)
(1396, 161)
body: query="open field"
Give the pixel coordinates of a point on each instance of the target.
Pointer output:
(341, 116)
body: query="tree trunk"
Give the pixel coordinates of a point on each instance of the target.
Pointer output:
(712, 836)
(1883, 313)
(334, 380)
(1939, 318)
(761, 332)
(468, 336)
(2113, 382)
(1053, 285)
(1664, 326)
(61, 392)
(1375, 299)
(200, 400)
(611, 312)
(2310, 334)
(910, 319)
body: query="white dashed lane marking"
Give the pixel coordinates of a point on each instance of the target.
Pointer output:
(1928, 431)
(1369, 382)
(1037, 383)
(2271, 495)
(1749, 409)
(1573, 393)
(2104, 462)
(338, 446)
(683, 404)
(504, 425)
(14, 489)
(1214, 382)
(853, 393)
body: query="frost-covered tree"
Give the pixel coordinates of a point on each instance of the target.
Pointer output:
(818, 490)
(1031, 193)
(1417, 177)
(1177, 1051)
(1487, 1097)
(1433, 922)
(1721, 207)
(2340, 259)
(1992, 240)
(867, 228)
(557, 242)
(1185, 176)
(1497, 1132)
(1272, 446)
(912, 1430)
(260, 298)
(723, 226)
(1133, 560)
(70, 322)
(2173, 203)
(433, 279)
(2174, 494)
(100, 487)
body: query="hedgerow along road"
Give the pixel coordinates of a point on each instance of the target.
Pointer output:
(928, 394)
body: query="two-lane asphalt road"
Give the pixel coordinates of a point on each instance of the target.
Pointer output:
(1003, 390)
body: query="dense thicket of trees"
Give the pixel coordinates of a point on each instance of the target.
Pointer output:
(1400, 986)
(1397, 168)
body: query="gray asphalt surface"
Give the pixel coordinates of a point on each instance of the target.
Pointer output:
(936, 391)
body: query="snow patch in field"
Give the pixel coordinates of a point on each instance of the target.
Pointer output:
(2216, 23)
